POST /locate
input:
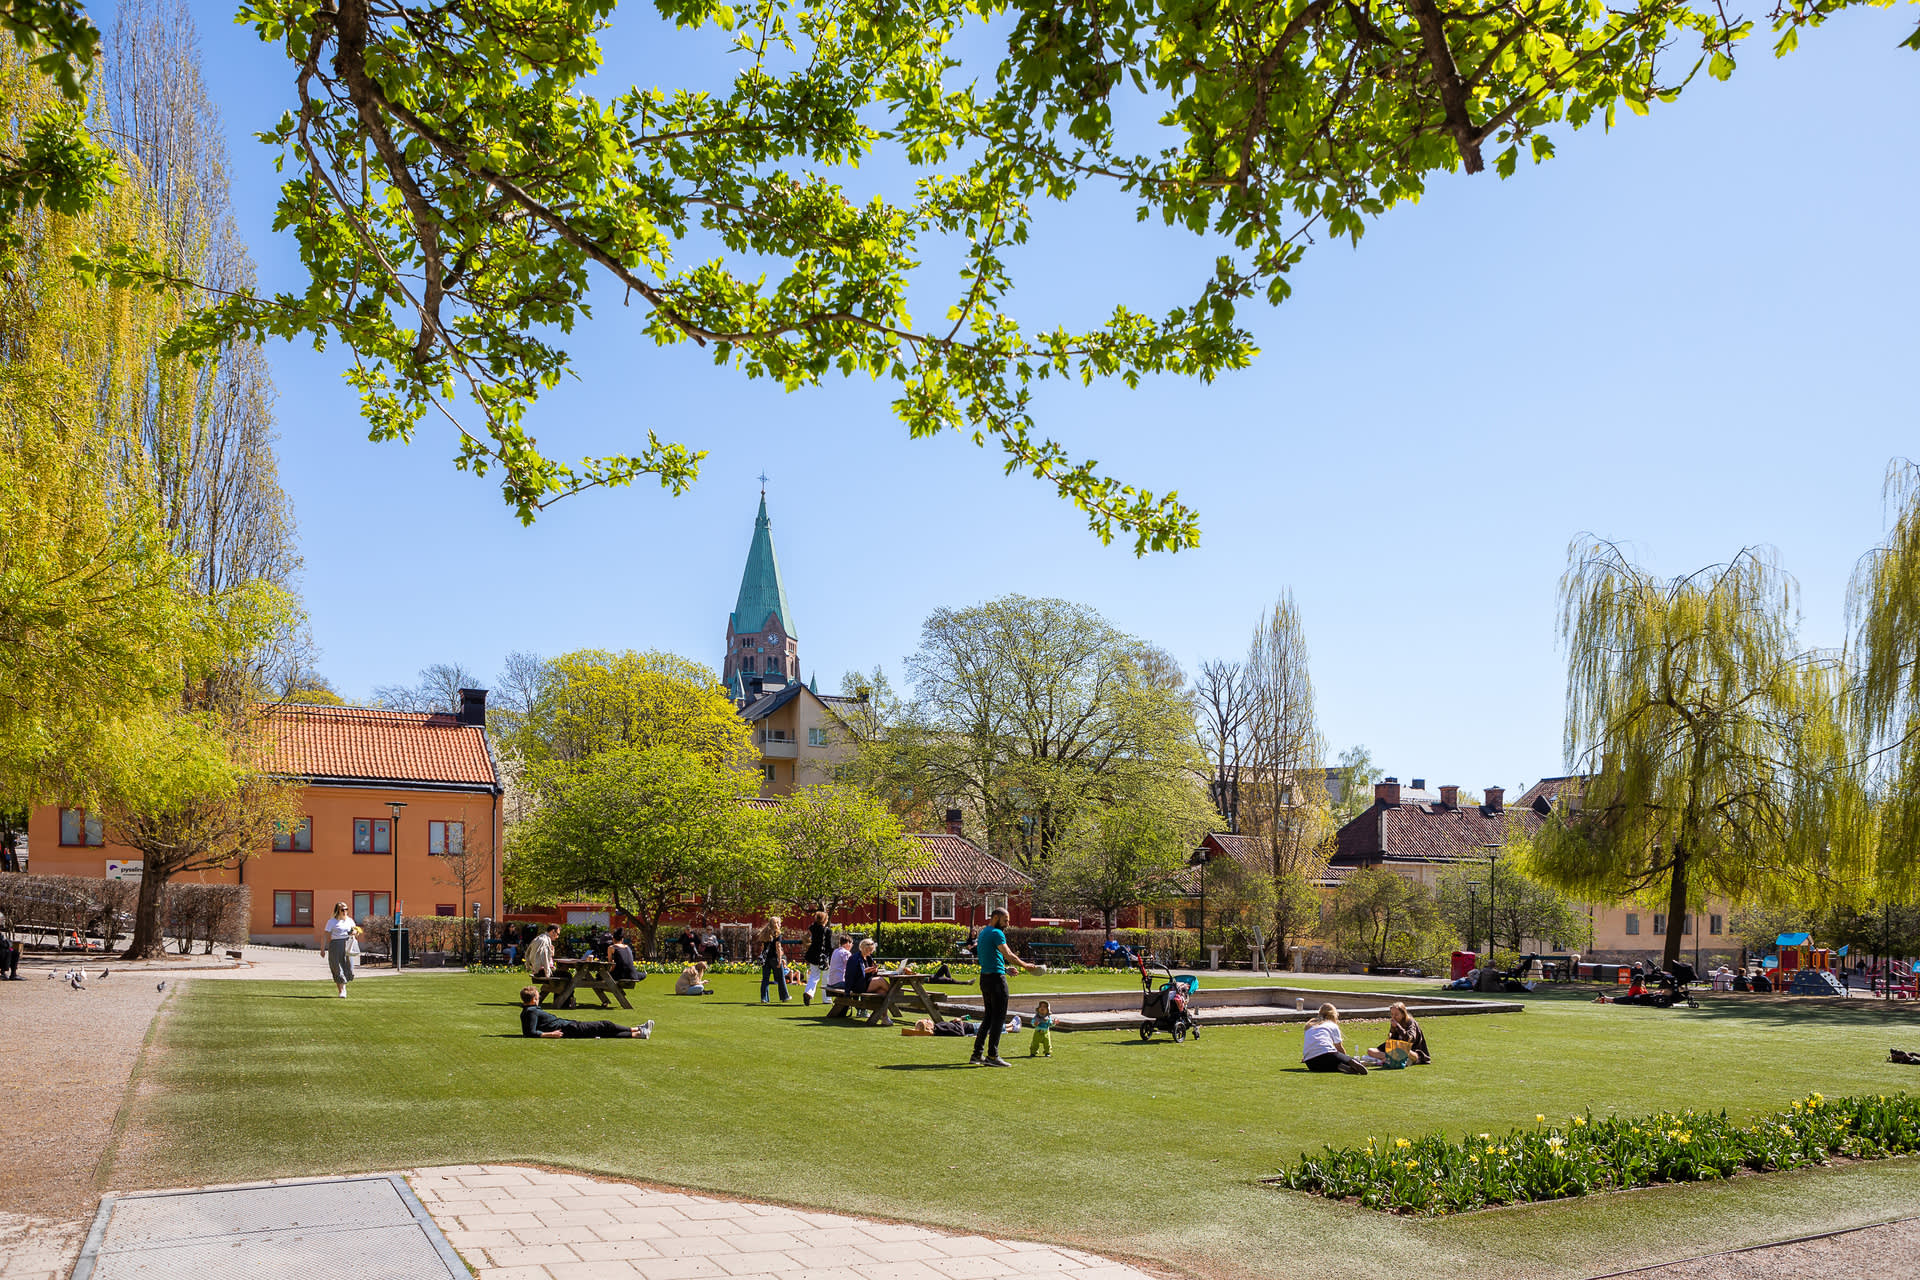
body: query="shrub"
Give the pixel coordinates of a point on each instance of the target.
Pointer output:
(1436, 1175)
(936, 940)
(57, 906)
(424, 933)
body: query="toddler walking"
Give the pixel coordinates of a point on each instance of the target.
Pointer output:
(1042, 1045)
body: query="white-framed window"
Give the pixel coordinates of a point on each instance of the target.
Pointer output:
(816, 737)
(1633, 923)
(909, 905)
(447, 838)
(994, 902)
(943, 906)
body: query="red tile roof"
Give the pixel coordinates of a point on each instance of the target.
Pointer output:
(959, 863)
(1548, 790)
(427, 748)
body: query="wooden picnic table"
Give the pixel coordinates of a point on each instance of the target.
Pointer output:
(574, 976)
(906, 994)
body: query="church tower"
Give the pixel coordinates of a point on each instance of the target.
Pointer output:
(763, 655)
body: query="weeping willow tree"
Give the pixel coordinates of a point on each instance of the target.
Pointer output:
(1714, 749)
(1884, 615)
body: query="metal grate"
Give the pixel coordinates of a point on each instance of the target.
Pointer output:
(371, 1228)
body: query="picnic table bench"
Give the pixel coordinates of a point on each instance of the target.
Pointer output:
(906, 993)
(574, 976)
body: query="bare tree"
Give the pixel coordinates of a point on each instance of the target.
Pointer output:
(438, 690)
(1222, 721)
(465, 864)
(1282, 783)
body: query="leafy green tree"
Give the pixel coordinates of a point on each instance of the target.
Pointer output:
(1519, 908)
(1127, 853)
(1715, 754)
(1884, 606)
(594, 700)
(1380, 916)
(644, 828)
(1027, 711)
(48, 160)
(839, 845)
(1357, 772)
(187, 791)
(455, 191)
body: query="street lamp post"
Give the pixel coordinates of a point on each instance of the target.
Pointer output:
(393, 906)
(1200, 859)
(1473, 915)
(1493, 854)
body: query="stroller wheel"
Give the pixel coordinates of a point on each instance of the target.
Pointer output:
(1179, 1032)
(1146, 1031)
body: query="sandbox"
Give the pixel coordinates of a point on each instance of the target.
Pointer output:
(1218, 1006)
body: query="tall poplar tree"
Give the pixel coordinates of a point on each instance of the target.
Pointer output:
(1713, 747)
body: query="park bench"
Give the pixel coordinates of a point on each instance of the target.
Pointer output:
(1053, 952)
(906, 994)
(574, 976)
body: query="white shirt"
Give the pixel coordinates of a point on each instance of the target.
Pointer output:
(340, 926)
(1322, 1037)
(837, 966)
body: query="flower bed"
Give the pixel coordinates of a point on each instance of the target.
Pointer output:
(1437, 1175)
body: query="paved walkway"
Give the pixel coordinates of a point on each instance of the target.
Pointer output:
(514, 1223)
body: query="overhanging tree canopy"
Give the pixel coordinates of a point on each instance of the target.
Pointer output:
(455, 193)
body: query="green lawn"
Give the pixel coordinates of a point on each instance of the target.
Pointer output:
(1147, 1151)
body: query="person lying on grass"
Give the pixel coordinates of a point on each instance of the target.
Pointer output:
(1323, 1049)
(535, 1021)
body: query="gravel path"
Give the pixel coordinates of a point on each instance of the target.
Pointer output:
(1889, 1252)
(64, 1076)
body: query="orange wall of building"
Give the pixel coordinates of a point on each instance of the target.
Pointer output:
(332, 871)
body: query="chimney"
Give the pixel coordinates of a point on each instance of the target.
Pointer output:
(1449, 797)
(473, 707)
(1419, 784)
(1387, 792)
(953, 822)
(1496, 799)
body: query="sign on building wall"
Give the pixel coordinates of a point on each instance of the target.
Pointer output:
(118, 870)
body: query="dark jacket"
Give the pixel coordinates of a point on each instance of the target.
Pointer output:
(621, 956)
(817, 948)
(859, 973)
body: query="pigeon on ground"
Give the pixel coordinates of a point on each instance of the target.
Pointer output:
(52, 976)
(78, 984)
(161, 987)
(105, 972)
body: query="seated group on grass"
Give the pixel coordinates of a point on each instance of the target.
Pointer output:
(1325, 1050)
(535, 1021)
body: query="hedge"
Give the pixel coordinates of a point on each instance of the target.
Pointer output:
(1436, 1175)
(424, 933)
(59, 906)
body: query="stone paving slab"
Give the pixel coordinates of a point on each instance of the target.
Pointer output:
(514, 1223)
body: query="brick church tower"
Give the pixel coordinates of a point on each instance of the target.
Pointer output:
(763, 655)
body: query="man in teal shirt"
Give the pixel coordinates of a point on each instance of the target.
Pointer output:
(994, 954)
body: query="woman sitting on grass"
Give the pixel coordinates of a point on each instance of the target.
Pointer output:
(1323, 1049)
(693, 980)
(1402, 1027)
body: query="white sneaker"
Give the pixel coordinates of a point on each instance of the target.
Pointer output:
(646, 1029)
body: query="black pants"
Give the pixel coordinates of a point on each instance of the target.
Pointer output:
(1337, 1062)
(594, 1031)
(993, 992)
(9, 960)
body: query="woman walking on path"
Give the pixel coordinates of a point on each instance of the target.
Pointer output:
(817, 951)
(773, 960)
(995, 955)
(341, 931)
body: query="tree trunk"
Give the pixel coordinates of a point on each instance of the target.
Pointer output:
(148, 940)
(1676, 908)
(1106, 916)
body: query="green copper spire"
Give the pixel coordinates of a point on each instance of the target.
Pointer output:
(761, 590)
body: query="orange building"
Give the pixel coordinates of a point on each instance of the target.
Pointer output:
(396, 802)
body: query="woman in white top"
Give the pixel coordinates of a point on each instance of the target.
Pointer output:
(341, 930)
(1323, 1050)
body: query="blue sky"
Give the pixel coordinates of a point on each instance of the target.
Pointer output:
(1694, 334)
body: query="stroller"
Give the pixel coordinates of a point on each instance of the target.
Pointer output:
(1167, 1009)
